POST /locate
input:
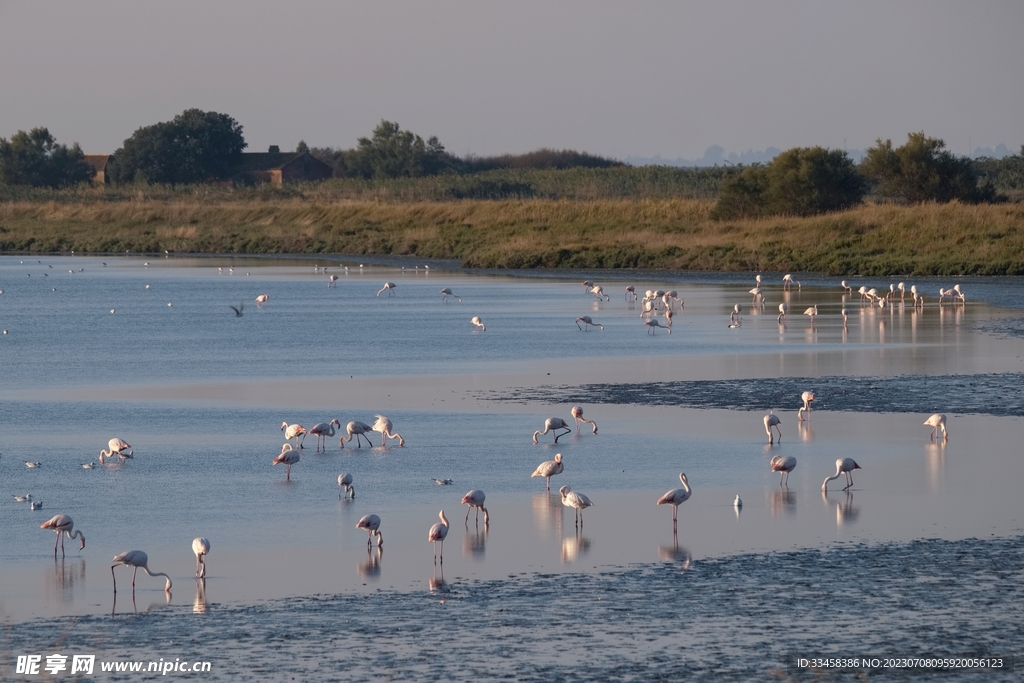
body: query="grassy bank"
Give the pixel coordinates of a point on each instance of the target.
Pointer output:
(926, 239)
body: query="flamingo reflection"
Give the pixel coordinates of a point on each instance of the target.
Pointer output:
(674, 553)
(199, 604)
(474, 542)
(574, 547)
(782, 501)
(805, 431)
(437, 583)
(66, 575)
(846, 513)
(370, 569)
(935, 461)
(547, 514)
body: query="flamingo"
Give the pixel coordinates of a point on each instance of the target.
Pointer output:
(261, 299)
(64, 526)
(288, 457)
(587, 284)
(872, 294)
(360, 430)
(848, 288)
(937, 421)
(331, 280)
(571, 499)
(117, 447)
(892, 292)
(447, 292)
(294, 432)
(475, 320)
(372, 525)
(322, 431)
(345, 483)
(588, 322)
(383, 425)
(758, 279)
(647, 308)
(903, 291)
(598, 292)
(734, 317)
(201, 547)
(548, 469)
(674, 295)
(843, 466)
(772, 420)
(812, 311)
(787, 281)
(577, 414)
(807, 397)
(553, 424)
(959, 294)
(651, 324)
(783, 309)
(668, 317)
(475, 499)
(136, 558)
(630, 293)
(677, 497)
(846, 314)
(438, 533)
(756, 291)
(944, 294)
(388, 287)
(784, 464)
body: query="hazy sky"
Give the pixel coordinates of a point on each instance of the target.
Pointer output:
(611, 78)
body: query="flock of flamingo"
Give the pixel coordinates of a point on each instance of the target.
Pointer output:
(653, 302)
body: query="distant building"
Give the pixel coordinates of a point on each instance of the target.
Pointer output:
(277, 167)
(98, 163)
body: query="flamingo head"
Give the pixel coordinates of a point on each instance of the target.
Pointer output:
(558, 457)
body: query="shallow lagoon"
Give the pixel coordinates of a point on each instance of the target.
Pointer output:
(200, 393)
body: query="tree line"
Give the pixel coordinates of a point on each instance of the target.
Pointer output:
(199, 146)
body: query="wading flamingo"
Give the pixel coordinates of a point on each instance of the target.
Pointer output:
(652, 324)
(580, 502)
(846, 314)
(783, 309)
(959, 294)
(577, 414)
(784, 464)
(848, 288)
(201, 547)
(548, 469)
(388, 287)
(358, 429)
(553, 424)
(438, 533)
(772, 420)
(812, 311)
(475, 499)
(843, 466)
(322, 431)
(903, 290)
(756, 292)
(937, 421)
(735, 319)
(630, 293)
(117, 447)
(294, 432)
(787, 281)
(447, 292)
(599, 294)
(261, 299)
(331, 280)
(345, 484)
(286, 457)
(136, 558)
(677, 497)
(64, 526)
(588, 322)
(475, 320)
(384, 426)
(372, 525)
(807, 397)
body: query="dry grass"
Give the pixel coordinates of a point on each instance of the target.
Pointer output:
(944, 239)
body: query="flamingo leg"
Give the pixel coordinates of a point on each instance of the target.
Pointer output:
(61, 536)
(442, 551)
(114, 578)
(134, 574)
(468, 508)
(547, 479)
(55, 545)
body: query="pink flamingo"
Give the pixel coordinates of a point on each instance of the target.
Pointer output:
(372, 525)
(64, 526)
(580, 502)
(548, 469)
(553, 424)
(201, 547)
(117, 447)
(345, 483)
(937, 421)
(843, 466)
(360, 430)
(807, 397)
(322, 431)
(630, 293)
(438, 532)
(294, 432)
(783, 464)
(286, 457)
(677, 497)
(577, 414)
(383, 425)
(588, 322)
(388, 287)
(772, 420)
(136, 558)
(475, 499)
(653, 323)
(447, 292)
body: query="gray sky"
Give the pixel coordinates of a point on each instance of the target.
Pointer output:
(611, 78)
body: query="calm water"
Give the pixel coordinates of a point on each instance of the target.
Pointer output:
(200, 394)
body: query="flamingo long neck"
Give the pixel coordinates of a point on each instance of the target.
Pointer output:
(444, 520)
(76, 534)
(146, 568)
(685, 485)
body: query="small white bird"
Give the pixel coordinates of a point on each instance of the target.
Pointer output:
(23, 499)
(738, 503)
(31, 465)
(88, 465)
(35, 505)
(442, 482)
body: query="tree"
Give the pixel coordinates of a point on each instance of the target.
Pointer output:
(923, 170)
(35, 158)
(396, 153)
(196, 146)
(801, 181)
